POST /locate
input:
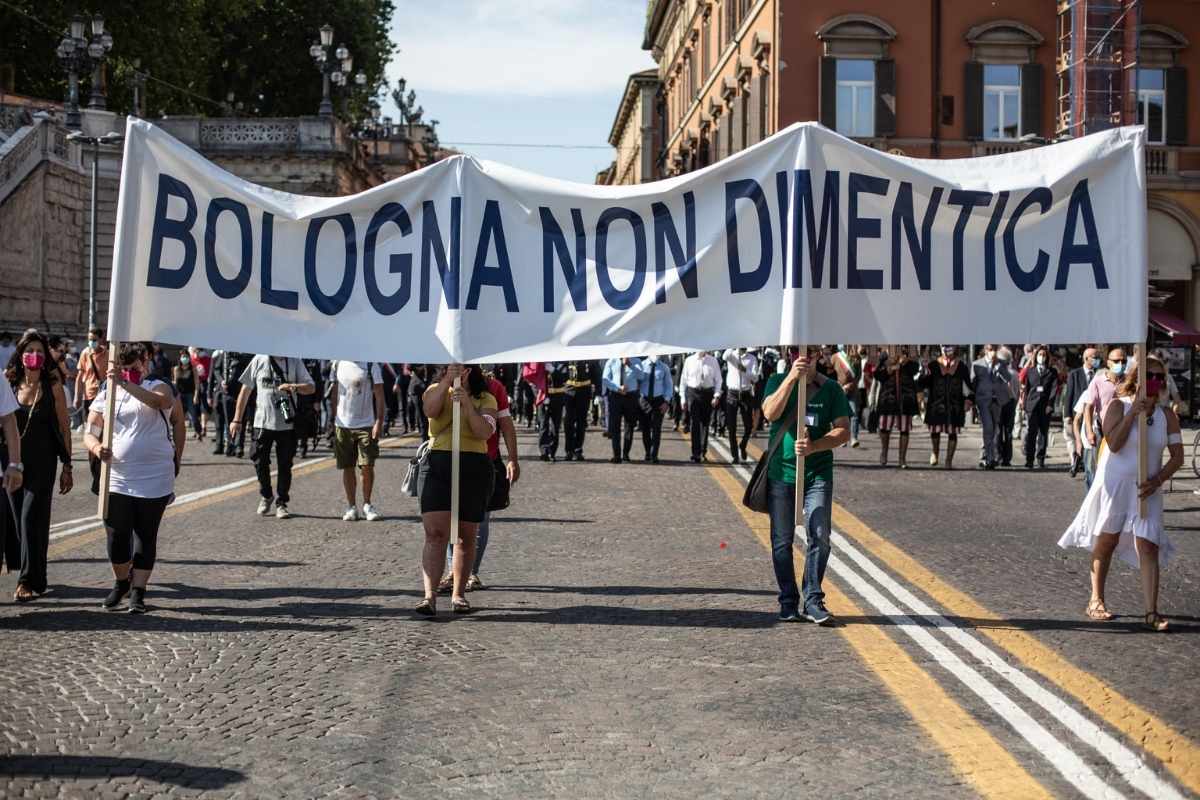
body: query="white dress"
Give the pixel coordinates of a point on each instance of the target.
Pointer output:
(1111, 506)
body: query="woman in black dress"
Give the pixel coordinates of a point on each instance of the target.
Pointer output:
(45, 441)
(948, 399)
(896, 402)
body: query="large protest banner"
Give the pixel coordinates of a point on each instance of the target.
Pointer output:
(804, 237)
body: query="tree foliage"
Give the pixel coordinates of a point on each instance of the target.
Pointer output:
(198, 52)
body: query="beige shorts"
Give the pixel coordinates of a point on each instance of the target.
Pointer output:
(354, 447)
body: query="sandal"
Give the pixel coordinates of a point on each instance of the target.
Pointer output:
(24, 594)
(460, 606)
(427, 607)
(1096, 610)
(445, 585)
(1156, 622)
(474, 584)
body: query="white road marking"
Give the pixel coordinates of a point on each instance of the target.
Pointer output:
(1063, 758)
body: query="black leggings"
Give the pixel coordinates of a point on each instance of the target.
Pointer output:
(132, 525)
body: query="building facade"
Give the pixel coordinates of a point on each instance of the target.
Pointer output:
(635, 131)
(940, 79)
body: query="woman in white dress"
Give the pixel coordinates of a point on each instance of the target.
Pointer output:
(1109, 520)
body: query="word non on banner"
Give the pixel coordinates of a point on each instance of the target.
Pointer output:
(804, 237)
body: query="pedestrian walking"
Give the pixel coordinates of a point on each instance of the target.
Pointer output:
(947, 384)
(989, 383)
(277, 382)
(827, 427)
(143, 463)
(1078, 381)
(896, 401)
(416, 392)
(202, 365)
(1039, 387)
(93, 366)
(741, 376)
(622, 377)
(45, 440)
(215, 390)
(654, 387)
(12, 469)
(577, 403)
(1009, 389)
(478, 408)
(701, 381)
(1110, 519)
(357, 405)
(550, 409)
(183, 376)
(848, 367)
(403, 379)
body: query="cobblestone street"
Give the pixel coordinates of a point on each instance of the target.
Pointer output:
(627, 645)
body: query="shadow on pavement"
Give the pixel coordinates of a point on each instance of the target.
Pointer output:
(159, 620)
(191, 562)
(650, 618)
(62, 767)
(630, 591)
(1122, 623)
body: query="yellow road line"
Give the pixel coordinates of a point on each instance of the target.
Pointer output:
(88, 537)
(973, 752)
(1179, 754)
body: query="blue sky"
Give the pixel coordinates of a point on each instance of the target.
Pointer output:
(522, 72)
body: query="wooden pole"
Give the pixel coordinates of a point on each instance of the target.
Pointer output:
(1140, 356)
(455, 453)
(801, 429)
(106, 437)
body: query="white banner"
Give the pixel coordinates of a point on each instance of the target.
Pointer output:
(806, 237)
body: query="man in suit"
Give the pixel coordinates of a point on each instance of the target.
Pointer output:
(989, 380)
(1078, 381)
(655, 387)
(1039, 385)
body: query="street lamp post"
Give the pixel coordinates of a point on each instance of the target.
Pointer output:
(79, 53)
(95, 142)
(335, 69)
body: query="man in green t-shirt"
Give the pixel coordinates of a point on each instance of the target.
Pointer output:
(827, 427)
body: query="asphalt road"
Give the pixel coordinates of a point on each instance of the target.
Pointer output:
(627, 645)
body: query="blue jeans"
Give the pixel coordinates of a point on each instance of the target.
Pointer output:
(481, 539)
(854, 423)
(781, 507)
(1089, 468)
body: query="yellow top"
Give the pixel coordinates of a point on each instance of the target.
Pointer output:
(441, 429)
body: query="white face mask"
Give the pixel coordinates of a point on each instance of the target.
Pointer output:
(652, 359)
(1041, 360)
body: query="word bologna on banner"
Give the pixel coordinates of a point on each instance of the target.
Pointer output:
(800, 224)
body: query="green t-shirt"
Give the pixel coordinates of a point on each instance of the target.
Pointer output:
(824, 406)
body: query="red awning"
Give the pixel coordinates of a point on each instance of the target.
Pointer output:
(1180, 332)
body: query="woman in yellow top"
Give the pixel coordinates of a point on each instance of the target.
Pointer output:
(475, 478)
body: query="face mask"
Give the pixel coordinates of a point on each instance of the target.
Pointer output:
(1041, 361)
(131, 375)
(1096, 362)
(652, 359)
(1154, 386)
(33, 360)
(184, 361)
(1117, 369)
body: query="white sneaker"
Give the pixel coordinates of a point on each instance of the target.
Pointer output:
(264, 507)
(281, 511)
(369, 512)
(351, 514)
(933, 459)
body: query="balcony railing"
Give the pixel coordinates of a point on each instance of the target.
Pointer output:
(1162, 161)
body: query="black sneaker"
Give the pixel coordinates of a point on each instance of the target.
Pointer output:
(819, 614)
(137, 601)
(787, 614)
(119, 590)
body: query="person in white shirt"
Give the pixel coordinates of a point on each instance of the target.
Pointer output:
(740, 380)
(7, 348)
(14, 470)
(143, 464)
(357, 405)
(701, 382)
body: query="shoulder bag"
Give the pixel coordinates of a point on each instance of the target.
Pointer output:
(412, 476)
(755, 497)
(500, 487)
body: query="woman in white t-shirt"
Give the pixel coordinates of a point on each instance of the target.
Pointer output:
(142, 468)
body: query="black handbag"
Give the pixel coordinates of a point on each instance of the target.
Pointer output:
(500, 487)
(755, 497)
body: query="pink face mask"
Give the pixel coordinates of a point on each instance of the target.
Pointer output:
(131, 375)
(32, 359)
(1154, 386)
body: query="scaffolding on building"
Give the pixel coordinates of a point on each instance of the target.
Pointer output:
(1097, 65)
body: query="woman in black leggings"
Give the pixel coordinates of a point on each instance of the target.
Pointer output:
(143, 464)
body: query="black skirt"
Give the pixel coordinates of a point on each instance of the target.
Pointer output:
(475, 484)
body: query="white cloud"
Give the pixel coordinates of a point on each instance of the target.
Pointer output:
(539, 48)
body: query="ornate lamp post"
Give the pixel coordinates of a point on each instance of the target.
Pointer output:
(335, 68)
(78, 53)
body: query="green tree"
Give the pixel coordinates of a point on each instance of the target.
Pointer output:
(197, 52)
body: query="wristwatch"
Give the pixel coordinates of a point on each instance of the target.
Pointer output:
(17, 465)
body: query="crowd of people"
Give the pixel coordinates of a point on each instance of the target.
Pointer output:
(284, 405)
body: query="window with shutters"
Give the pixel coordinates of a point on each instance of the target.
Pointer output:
(705, 46)
(1152, 104)
(856, 97)
(1001, 102)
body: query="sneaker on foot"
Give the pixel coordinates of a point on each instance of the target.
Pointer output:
(787, 614)
(351, 514)
(137, 601)
(119, 590)
(281, 511)
(854, 443)
(264, 507)
(369, 512)
(933, 459)
(819, 614)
